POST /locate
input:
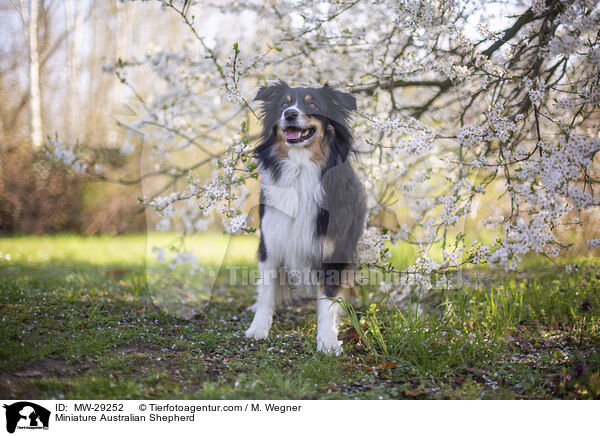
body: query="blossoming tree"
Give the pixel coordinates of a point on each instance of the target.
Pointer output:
(466, 109)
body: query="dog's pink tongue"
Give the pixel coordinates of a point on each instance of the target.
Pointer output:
(292, 134)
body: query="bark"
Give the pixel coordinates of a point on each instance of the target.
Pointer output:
(74, 19)
(34, 77)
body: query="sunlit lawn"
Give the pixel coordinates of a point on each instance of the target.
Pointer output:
(80, 321)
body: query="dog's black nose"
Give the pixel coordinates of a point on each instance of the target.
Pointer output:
(290, 114)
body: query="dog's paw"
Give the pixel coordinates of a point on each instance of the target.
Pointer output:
(257, 332)
(330, 345)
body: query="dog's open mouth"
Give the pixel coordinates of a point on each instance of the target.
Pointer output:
(294, 135)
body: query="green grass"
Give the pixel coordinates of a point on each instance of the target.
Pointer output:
(80, 320)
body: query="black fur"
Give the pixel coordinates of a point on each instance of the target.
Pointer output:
(345, 200)
(332, 276)
(322, 222)
(340, 145)
(264, 154)
(262, 248)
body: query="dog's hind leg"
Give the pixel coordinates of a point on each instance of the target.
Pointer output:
(265, 304)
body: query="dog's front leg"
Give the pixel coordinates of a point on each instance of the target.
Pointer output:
(265, 304)
(328, 314)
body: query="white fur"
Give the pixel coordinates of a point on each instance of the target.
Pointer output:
(294, 106)
(288, 224)
(291, 207)
(265, 305)
(328, 314)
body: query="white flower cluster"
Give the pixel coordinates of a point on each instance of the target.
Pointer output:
(523, 236)
(469, 118)
(69, 156)
(413, 137)
(539, 6)
(451, 257)
(419, 274)
(571, 268)
(500, 126)
(232, 90)
(536, 92)
(593, 243)
(448, 215)
(418, 179)
(492, 221)
(471, 136)
(415, 15)
(162, 204)
(430, 229)
(235, 224)
(371, 247)
(425, 265)
(564, 45)
(184, 215)
(479, 253)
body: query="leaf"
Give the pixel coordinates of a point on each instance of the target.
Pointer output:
(388, 365)
(350, 366)
(350, 335)
(116, 273)
(413, 393)
(29, 373)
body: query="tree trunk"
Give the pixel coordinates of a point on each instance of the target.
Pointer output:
(74, 19)
(34, 77)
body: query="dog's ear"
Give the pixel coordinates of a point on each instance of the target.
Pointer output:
(341, 99)
(266, 93)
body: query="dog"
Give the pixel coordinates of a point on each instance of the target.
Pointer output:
(312, 205)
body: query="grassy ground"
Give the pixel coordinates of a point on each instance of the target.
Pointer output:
(78, 322)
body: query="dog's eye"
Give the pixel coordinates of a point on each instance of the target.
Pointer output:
(284, 104)
(312, 106)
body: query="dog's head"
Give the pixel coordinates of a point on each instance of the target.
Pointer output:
(302, 116)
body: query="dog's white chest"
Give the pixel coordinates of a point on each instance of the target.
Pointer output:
(291, 207)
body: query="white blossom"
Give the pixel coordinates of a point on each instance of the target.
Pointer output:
(67, 155)
(593, 243)
(443, 125)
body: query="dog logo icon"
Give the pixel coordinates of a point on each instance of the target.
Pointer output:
(26, 415)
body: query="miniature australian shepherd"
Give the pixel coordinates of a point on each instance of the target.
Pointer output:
(312, 205)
